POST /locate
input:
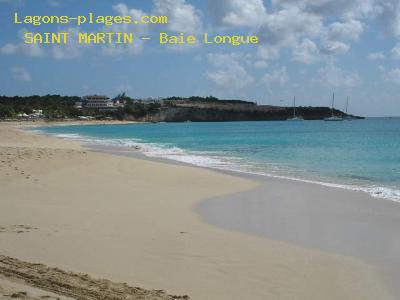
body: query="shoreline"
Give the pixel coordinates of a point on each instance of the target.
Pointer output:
(143, 225)
(387, 193)
(355, 205)
(328, 219)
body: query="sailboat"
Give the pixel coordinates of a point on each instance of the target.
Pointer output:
(347, 117)
(333, 118)
(295, 118)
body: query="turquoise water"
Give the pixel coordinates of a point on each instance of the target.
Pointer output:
(360, 154)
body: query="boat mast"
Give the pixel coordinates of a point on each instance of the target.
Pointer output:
(347, 104)
(333, 103)
(294, 107)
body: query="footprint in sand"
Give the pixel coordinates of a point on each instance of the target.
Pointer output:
(19, 295)
(25, 295)
(17, 229)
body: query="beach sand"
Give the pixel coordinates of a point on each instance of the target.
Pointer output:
(25, 280)
(334, 220)
(134, 221)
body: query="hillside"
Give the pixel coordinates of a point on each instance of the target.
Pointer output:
(173, 109)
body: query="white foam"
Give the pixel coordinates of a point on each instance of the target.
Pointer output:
(215, 161)
(383, 192)
(376, 192)
(69, 136)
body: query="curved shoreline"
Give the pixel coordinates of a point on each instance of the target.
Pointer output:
(129, 220)
(345, 235)
(155, 152)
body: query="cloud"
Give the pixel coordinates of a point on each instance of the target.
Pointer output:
(182, 17)
(333, 76)
(376, 56)
(332, 25)
(268, 52)
(235, 13)
(260, 64)
(309, 29)
(32, 50)
(227, 70)
(393, 76)
(337, 8)
(306, 52)
(396, 51)
(389, 16)
(71, 50)
(137, 30)
(74, 50)
(285, 27)
(334, 48)
(9, 49)
(54, 3)
(336, 37)
(277, 77)
(345, 31)
(21, 74)
(123, 10)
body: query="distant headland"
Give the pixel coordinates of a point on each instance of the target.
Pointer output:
(171, 109)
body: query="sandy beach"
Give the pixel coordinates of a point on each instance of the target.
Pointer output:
(134, 221)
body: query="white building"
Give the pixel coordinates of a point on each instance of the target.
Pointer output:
(96, 101)
(36, 114)
(78, 105)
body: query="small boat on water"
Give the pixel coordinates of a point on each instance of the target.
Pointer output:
(333, 118)
(295, 118)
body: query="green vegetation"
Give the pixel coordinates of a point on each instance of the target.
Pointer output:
(172, 109)
(61, 107)
(209, 99)
(53, 106)
(140, 109)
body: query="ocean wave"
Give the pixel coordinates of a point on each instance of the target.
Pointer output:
(376, 191)
(215, 160)
(383, 192)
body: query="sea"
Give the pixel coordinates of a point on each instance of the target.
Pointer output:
(360, 155)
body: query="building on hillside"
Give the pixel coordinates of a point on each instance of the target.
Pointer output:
(35, 115)
(119, 102)
(99, 102)
(152, 100)
(78, 104)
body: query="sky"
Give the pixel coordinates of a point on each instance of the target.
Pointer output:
(308, 49)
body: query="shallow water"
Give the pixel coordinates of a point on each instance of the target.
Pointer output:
(358, 155)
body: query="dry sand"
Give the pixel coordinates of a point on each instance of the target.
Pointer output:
(131, 220)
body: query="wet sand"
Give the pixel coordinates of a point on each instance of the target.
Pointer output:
(318, 217)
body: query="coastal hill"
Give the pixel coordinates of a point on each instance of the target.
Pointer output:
(172, 109)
